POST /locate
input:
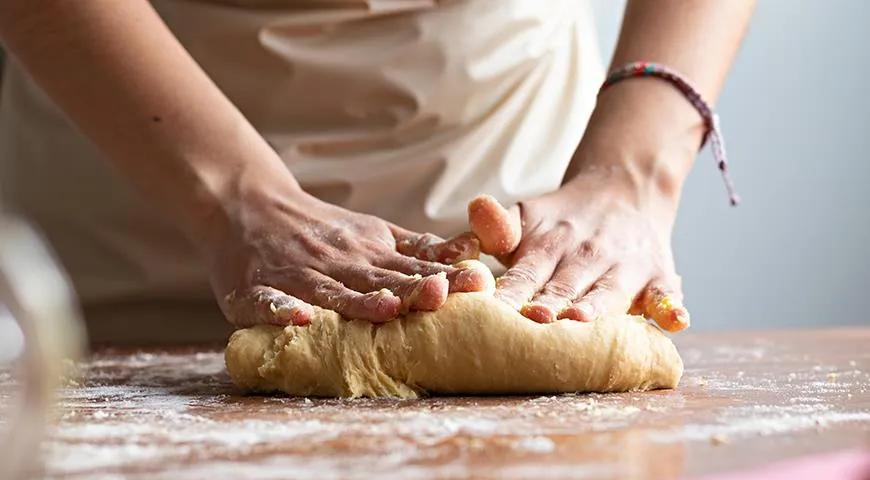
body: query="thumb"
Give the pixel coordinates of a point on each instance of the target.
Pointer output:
(498, 229)
(662, 301)
(432, 248)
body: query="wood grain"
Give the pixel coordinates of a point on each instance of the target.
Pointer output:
(746, 399)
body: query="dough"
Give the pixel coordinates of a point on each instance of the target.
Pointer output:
(474, 344)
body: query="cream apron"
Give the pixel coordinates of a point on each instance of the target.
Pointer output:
(404, 109)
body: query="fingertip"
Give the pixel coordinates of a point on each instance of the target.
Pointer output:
(580, 312)
(682, 320)
(430, 293)
(498, 229)
(472, 277)
(664, 306)
(538, 313)
(675, 320)
(262, 305)
(298, 313)
(381, 306)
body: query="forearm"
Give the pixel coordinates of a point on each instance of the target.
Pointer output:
(118, 72)
(648, 126)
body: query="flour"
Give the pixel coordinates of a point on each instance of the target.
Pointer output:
(536, 444)
(178, 412)
(70, 459)
(116, 426)
(803, 413)
(780, 424)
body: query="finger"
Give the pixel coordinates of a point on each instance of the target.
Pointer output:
(517, 286)
(465, 276)
(475, 276)
(498, 229)
(611, 294)
(416, 292)
(266, 305)
(433, 248)
(377, 307)
(662, 301)
(572, 276)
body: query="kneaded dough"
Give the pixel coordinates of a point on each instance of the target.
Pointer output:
(474, 344)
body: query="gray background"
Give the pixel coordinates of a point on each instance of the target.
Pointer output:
(796, 119)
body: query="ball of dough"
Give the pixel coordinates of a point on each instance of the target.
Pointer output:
(474, 344)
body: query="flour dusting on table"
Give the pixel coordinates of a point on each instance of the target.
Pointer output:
(148, 413)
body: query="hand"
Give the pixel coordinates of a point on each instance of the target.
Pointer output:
(280, 254)
(592, 248)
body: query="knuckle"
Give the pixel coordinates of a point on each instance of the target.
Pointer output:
(321, 253)
(324, 291)
(559, 288)
(604, 293)
(588, 250)
(519, 274)
(564, 230)
(371, 245)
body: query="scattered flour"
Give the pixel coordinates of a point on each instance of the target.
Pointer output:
(536, 444)
(179, 412)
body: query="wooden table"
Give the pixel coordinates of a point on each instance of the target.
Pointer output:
(746, 399)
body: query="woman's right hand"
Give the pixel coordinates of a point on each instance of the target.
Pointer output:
(282, 251)
(116, 70)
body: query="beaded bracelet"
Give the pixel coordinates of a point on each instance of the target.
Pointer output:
(711, 120)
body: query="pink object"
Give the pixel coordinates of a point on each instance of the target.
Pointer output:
(846, 465)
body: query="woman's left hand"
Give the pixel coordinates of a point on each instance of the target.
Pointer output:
(597, 246)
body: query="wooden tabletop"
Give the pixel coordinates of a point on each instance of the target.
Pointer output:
(746, 399)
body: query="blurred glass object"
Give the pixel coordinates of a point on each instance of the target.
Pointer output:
(40, 332)
(11, 337)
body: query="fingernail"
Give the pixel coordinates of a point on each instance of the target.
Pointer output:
(669, 304)
(294, 314)
(681, 315)
(284, 312)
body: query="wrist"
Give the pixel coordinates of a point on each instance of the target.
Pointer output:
(646, 128)
(232, 196)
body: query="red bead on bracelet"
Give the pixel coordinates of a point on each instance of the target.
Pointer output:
(711, 120)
